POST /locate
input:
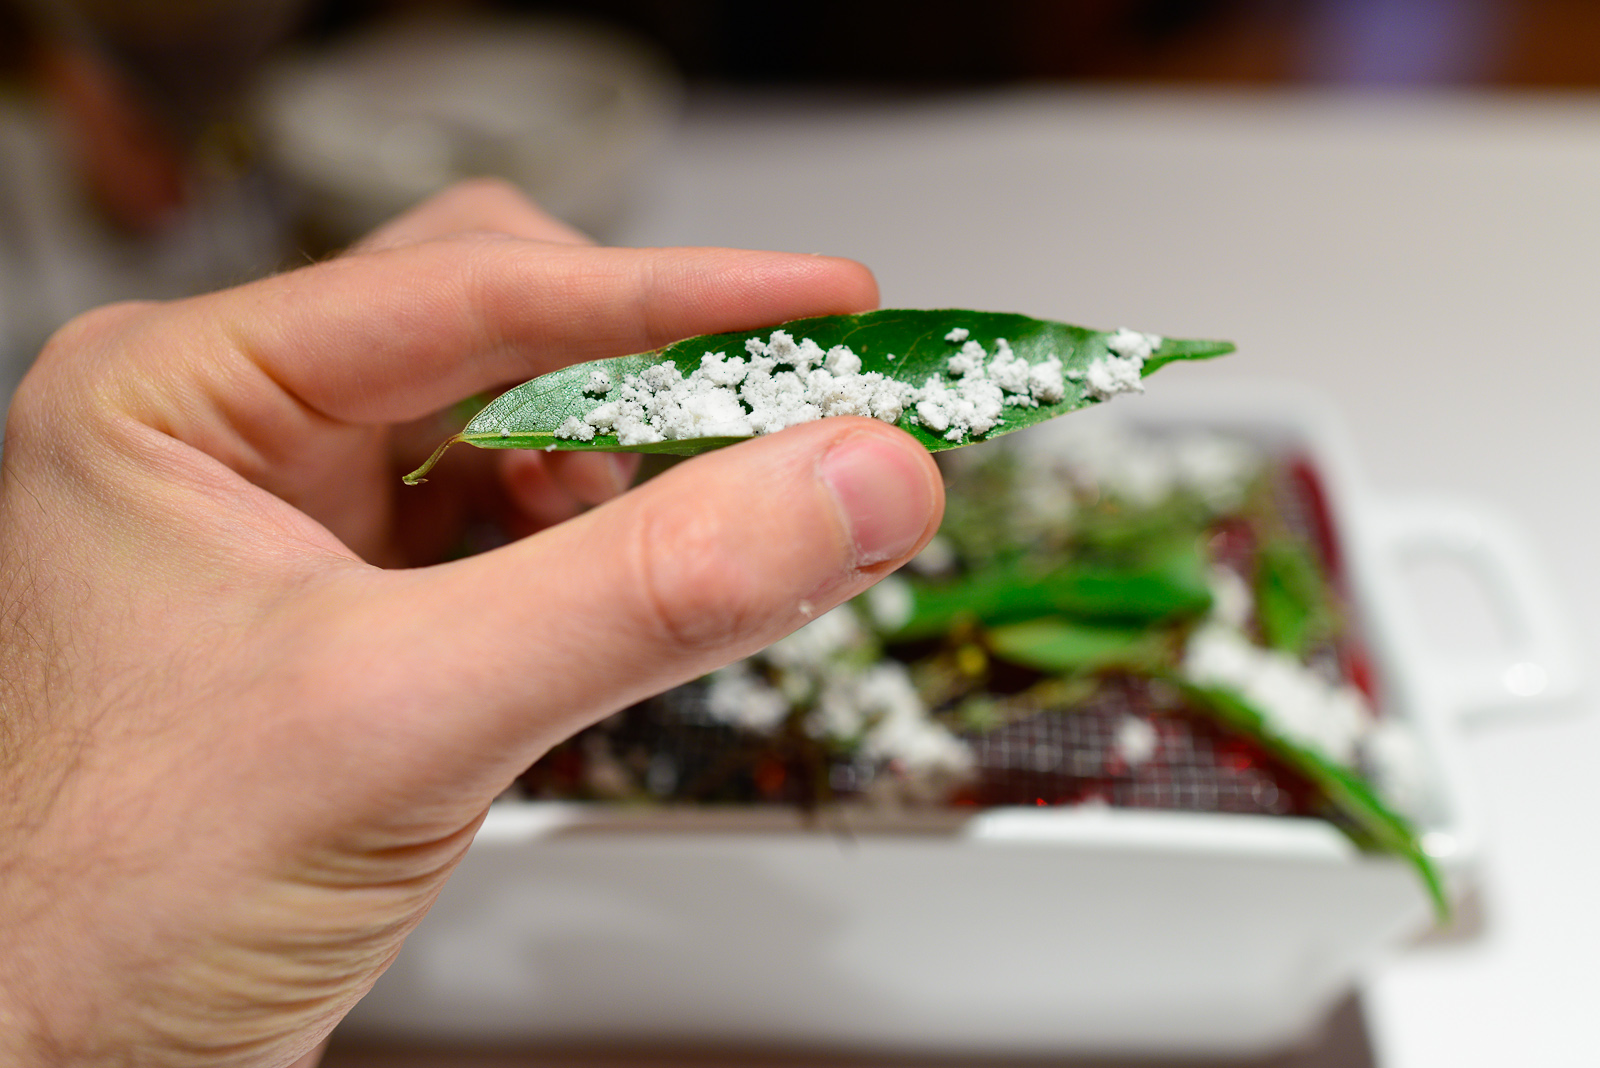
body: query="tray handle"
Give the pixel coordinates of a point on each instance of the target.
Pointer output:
(1534, 669)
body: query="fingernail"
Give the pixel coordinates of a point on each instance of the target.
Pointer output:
(883, 493)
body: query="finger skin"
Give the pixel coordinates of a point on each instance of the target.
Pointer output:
(590, 477)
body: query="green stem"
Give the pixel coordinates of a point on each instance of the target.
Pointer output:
(416, 476)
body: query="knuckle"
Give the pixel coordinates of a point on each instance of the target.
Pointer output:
(74, 353)
(93, 328)
(696, 591)
(486, 189)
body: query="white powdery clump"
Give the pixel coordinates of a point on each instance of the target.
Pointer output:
(1232, 601)
(1300, 704)
(782, 382)
(1142, 468)
(984, 386)
(881, 707)
(1121, 372)
(814, 645)
(874, 706)
(1217, 467)
(1333, 719)
(891, 603)
(739, 697)
(937, 558)
(1397, 760)
(1135, 741)
(573, 428)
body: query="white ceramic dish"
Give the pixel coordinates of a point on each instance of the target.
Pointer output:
(1015, 931)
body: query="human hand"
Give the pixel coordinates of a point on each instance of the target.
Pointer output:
(241, 758)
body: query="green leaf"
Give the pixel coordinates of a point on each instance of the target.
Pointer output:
(1293, 606)
(1170, 586)
(1375, 824)
(908, 346)
(1061, 646)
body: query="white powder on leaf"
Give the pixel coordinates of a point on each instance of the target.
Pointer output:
(880, 706)
(722, 370)
(575, 429)
(1011, 373)
(968, 361)
(782, 382)
(1110, 375)
(841, 361)
(599, 383)
(1122, 370)
(1044, 382)
(1132, 345)
(605, 416)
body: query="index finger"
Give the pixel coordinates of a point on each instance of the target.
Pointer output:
(399, 333)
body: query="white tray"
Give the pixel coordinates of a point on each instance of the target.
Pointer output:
(1014, 931)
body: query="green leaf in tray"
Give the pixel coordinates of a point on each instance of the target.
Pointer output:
(906, 347)
(1166, 587)
(1068, 647)
(1293, 605)
(1366, 818)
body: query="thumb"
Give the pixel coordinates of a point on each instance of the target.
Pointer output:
(718, 557)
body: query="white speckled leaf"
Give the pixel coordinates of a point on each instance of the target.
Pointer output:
(905, 345)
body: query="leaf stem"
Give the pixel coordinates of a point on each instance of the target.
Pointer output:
(415, 477)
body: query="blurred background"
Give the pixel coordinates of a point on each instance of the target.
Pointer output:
(1391, 203)
(157, 147)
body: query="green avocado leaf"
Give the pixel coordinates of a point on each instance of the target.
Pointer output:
(908, 346)
(1069, 647)
(1293, 605)
(1367, 819)
(1167, 587)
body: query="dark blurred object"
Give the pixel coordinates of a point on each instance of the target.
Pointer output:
(127, 171)
(947, 43)
(188, 61)
(145, 85)
(145, 94)
(1404, 42)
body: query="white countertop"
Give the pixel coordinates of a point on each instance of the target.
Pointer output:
(1431, 264)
